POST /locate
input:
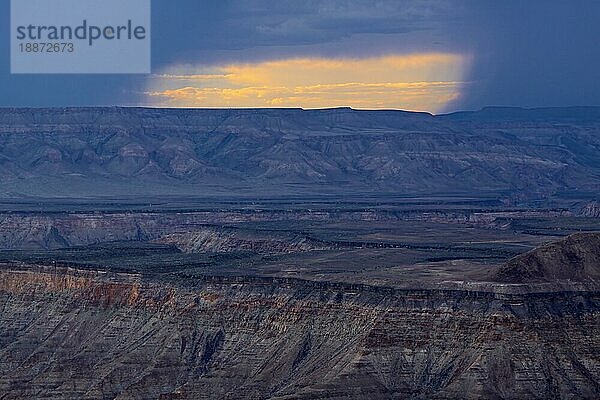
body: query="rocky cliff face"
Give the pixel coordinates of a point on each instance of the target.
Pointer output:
(75, 334)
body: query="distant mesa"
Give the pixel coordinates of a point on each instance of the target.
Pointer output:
(575, 257)
(525, 154)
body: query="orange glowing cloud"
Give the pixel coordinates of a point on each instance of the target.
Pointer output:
(424, 82)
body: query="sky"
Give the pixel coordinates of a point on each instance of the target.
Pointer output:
(425, 55)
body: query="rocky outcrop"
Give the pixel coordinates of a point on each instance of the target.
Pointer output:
(574, 258)
(225, 240)
(591, 209)
(91, 335)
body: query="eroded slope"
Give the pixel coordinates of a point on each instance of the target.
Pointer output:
(76, 334)
(576, 258)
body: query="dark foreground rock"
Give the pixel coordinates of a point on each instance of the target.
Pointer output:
(95, 335)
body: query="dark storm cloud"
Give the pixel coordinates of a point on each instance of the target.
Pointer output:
(194, 31)
(534, 53)
(528, 53)
(322, 21)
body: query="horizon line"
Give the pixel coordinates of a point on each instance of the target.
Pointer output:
(299, 108)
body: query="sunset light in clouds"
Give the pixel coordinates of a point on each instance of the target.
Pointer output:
(423, 82)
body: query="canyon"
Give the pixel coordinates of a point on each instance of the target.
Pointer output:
(94, 334)
(299, 254)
